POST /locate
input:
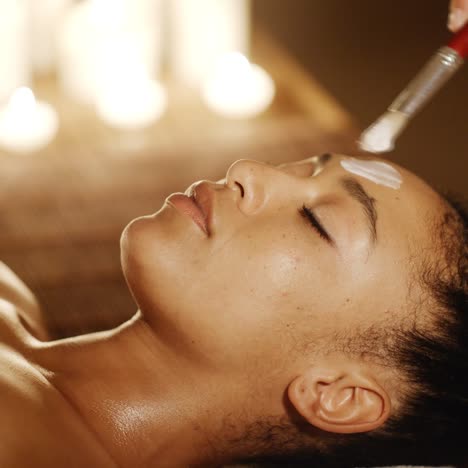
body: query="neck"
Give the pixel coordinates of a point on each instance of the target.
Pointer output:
(145, 405)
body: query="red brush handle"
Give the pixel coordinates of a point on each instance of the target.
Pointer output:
(459, 41)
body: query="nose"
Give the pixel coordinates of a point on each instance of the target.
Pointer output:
(252, 180)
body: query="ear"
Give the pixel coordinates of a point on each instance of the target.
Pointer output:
(340, 401)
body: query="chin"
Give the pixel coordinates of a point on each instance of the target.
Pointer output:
(154, 252)
(144, 234)
(140, 242)
(133, 239)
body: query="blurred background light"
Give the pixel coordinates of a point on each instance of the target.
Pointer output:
(117, 57)
(26, 124)
(238, 89)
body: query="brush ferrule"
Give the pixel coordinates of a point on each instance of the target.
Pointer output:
(437, 71)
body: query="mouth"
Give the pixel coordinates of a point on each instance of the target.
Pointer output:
(197, 206)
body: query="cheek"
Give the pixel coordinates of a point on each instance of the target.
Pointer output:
(292, 267)
(261, 305)
(265, 277)
(281, 271)
(295, 290)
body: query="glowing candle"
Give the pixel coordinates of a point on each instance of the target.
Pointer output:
(127, 97)
(94, 27)
(45, 17)
(14, 51)
(204, 30)
(237, 88)
(26, 125)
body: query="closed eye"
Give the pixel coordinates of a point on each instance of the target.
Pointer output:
(309, 215)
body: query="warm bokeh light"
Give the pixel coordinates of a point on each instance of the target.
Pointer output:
(201, 32)
(26, 125)
(132, 102)
(238, 89)
(22, 103)
(107, 12)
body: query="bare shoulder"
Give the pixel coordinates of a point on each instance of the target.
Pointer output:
(38, 425)
(39, 428)
(13, 292)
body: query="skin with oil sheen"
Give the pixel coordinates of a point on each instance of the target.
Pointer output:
(376, 171)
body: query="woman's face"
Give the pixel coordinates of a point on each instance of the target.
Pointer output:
(270, 278)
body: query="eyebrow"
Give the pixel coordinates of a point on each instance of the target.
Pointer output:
(356, 191)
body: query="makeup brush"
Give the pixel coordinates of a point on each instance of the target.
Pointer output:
(380, 136)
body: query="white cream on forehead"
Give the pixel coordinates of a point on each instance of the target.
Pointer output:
(376, 171)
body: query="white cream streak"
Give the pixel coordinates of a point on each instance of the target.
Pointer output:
(376, 171)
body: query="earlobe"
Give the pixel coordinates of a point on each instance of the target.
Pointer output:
(339, 402)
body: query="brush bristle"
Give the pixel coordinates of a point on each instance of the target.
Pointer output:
(380, 136)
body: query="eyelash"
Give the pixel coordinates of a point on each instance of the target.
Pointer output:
(309, 215)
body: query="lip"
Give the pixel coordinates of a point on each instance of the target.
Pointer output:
(197, 206)
(203, 196)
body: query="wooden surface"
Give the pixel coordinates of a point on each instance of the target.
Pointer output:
(64, 208)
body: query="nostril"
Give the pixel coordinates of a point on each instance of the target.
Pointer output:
(241, 189)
